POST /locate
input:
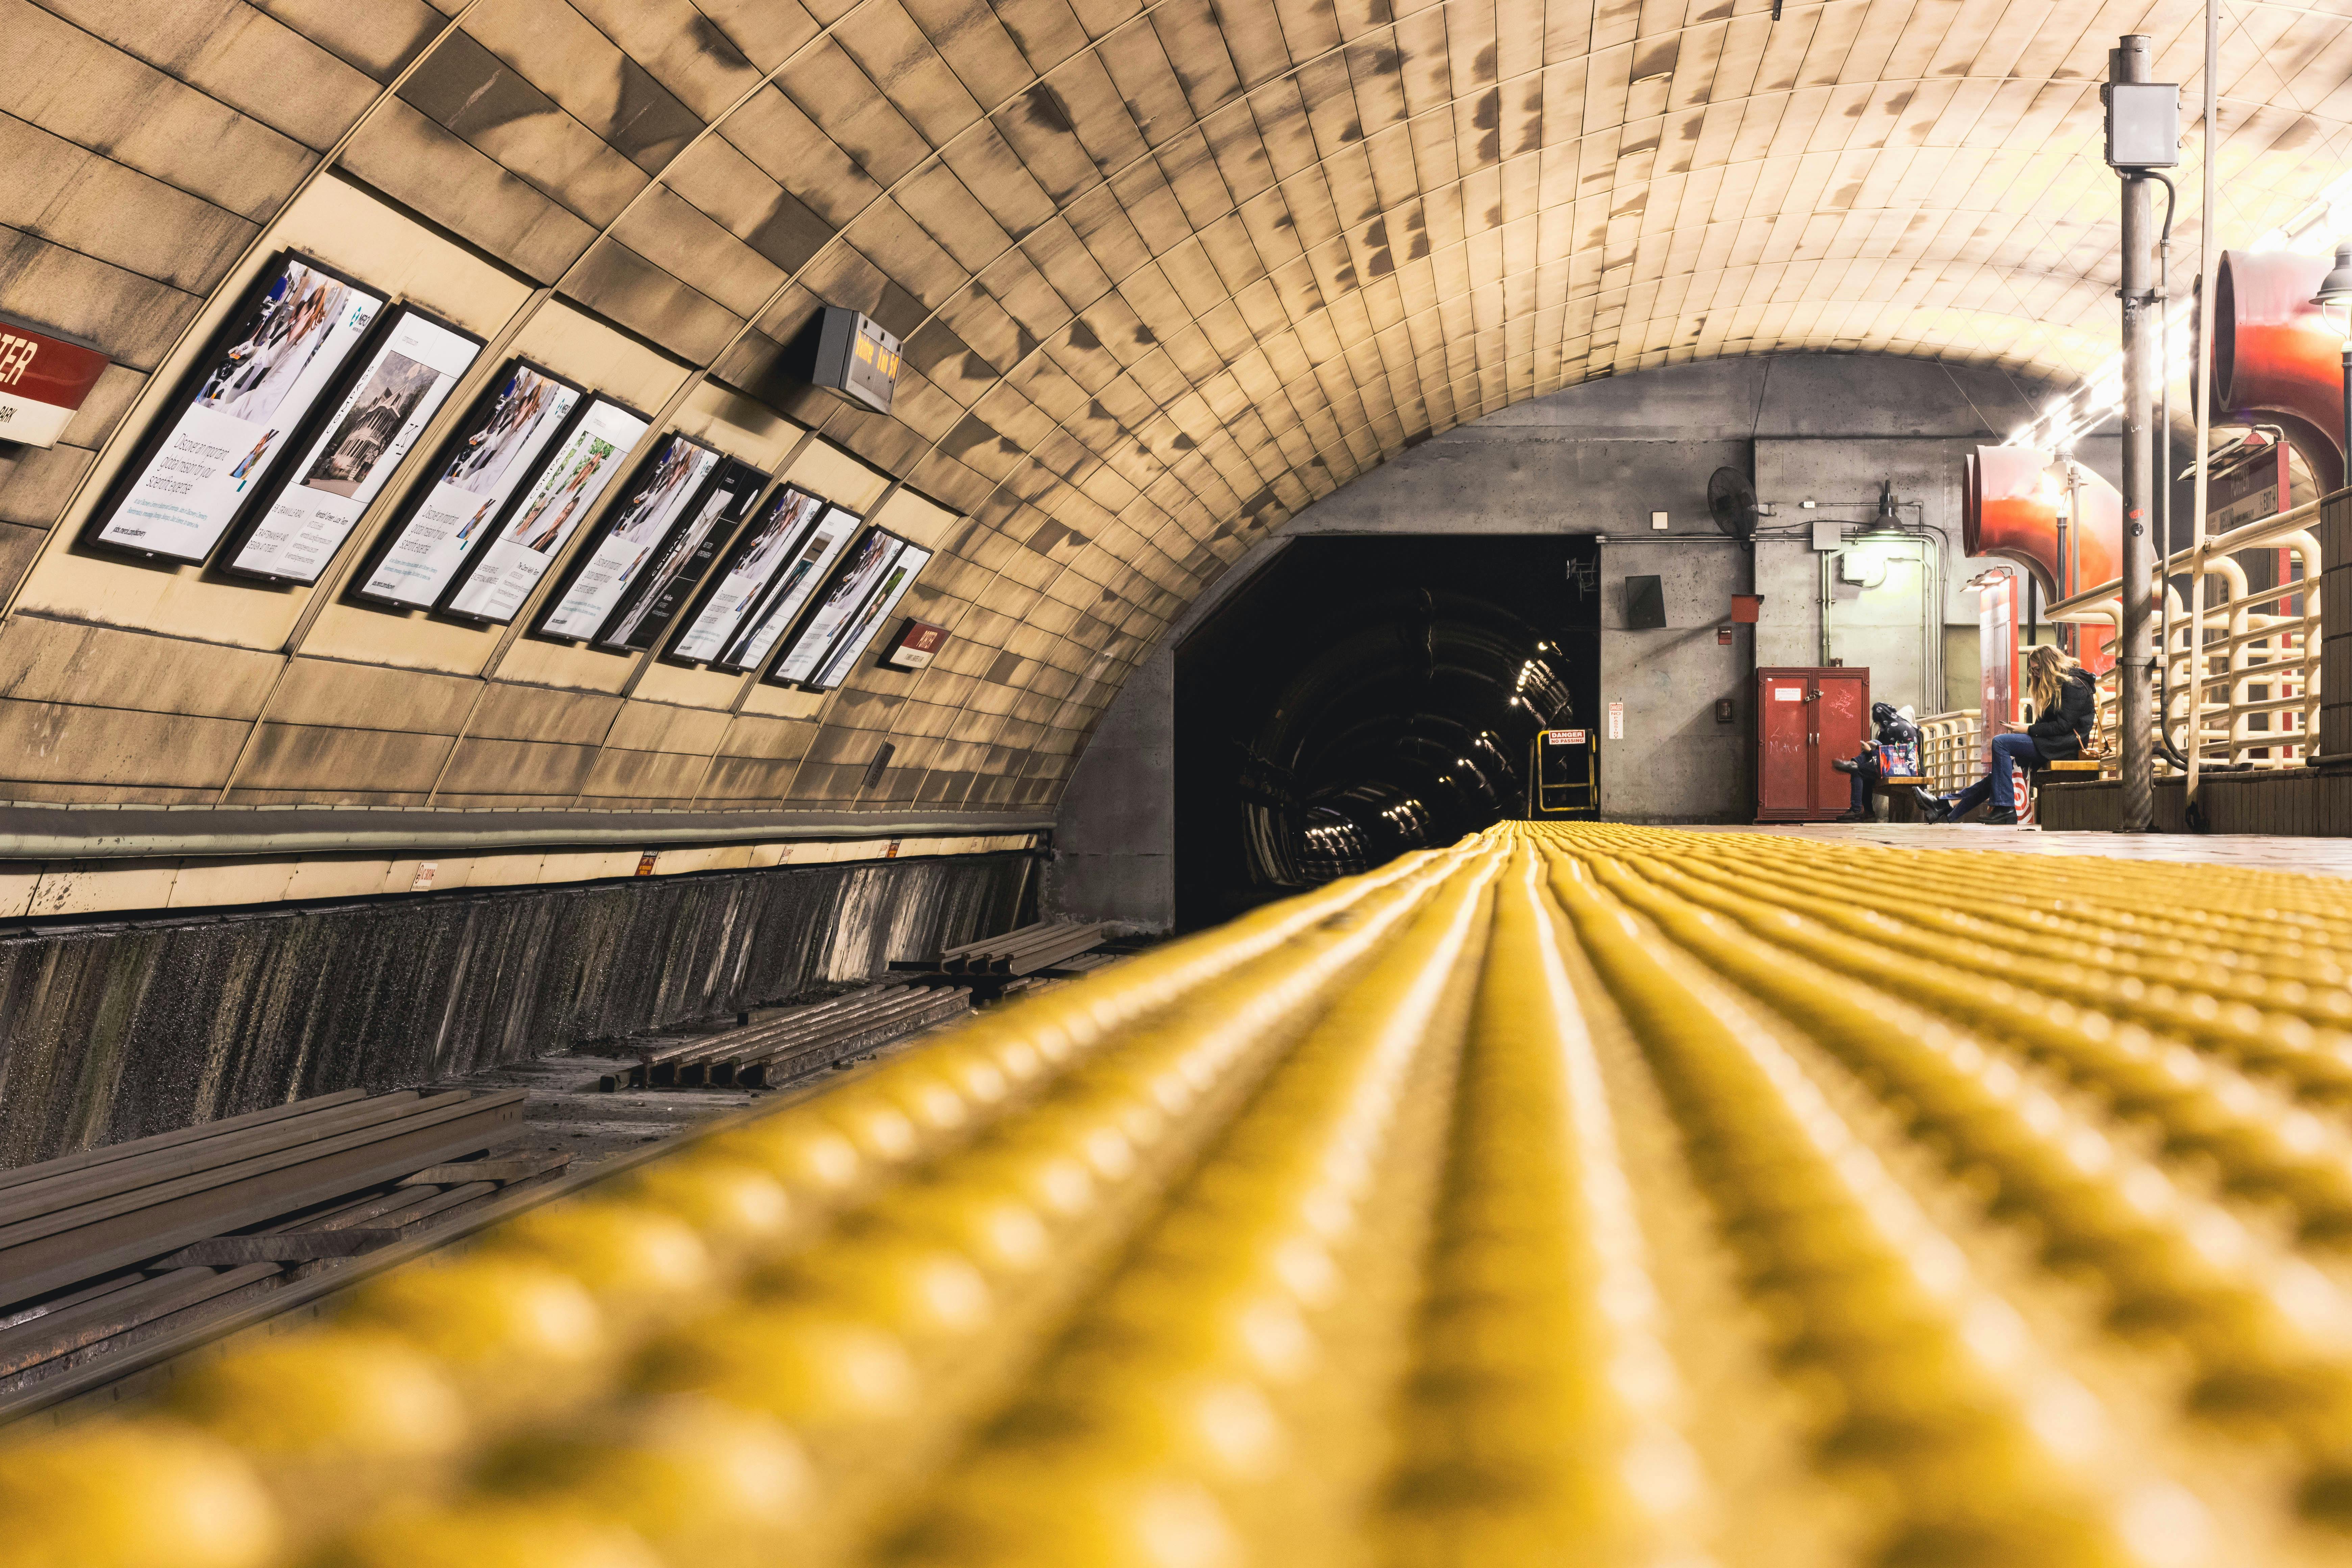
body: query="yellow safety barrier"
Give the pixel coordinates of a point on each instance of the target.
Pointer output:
(1581, 1194)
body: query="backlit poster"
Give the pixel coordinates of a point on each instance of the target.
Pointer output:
(804, 569)
(759, 555)
(852, 642)
(406, 379)
(665, 585)
(853, 584)
(632, 534)
(221, 438)
(561, 493)
(485, 461)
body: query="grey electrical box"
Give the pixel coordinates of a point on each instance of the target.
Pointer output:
(844, 350)
(2142, 124)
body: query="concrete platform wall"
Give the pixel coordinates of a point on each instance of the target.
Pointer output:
(123, 1029)
(2303, 802)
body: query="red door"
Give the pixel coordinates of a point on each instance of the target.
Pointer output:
(1841, 711)
(1806, 719)
(1784, 718)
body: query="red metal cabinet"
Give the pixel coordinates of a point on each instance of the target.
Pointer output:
(1805, 721)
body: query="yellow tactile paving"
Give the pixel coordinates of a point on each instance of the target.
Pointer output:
(2001, 1205)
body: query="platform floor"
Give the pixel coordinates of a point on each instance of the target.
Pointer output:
(1596, 1193)
(2254, 851)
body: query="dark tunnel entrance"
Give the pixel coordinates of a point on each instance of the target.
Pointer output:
(1360, 697)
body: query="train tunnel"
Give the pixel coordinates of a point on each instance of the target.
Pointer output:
(1360, 697)
(908, 784)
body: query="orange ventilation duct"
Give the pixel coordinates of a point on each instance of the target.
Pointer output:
(2011, 503)
(2275, 359)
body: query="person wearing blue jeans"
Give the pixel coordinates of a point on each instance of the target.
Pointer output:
(1999, 784)
(2066, 706)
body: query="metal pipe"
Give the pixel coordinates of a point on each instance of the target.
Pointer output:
(2208, 259)
(2129, 63)
(39, 831)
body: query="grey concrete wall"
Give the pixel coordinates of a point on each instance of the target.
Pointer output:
(1598, 458)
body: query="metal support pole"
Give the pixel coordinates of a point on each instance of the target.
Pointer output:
(2134, 665)
(2207, 260)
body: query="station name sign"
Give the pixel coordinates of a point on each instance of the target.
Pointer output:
(43, 379)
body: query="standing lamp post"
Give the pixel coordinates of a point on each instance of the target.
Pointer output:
(2334, 302)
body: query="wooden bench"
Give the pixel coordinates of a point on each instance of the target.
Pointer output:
(1901, 805)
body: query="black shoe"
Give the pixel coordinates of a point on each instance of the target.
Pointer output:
(1861, 815)
(1938, 808)
(1845, 765)
(2002, 819)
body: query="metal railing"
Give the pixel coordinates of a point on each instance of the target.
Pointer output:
(2257, 695)
(1951, 749)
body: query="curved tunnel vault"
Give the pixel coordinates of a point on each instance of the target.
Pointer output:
(1362, 697)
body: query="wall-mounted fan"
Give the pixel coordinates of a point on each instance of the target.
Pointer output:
(1731, 501)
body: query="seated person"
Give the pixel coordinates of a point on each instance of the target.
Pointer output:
(1894, 729)
(2067, 706)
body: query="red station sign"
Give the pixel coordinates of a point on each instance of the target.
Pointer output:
(913, 647)
(43, 380)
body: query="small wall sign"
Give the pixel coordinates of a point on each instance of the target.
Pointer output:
(43, 379)
(916, 644)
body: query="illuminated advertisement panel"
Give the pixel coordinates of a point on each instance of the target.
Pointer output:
(476, 472)
(218, 442)
(407, 377)
(662, 589)
(853, 586)
(766, 580)
(859, 634)
(497, 579)
(630, 536)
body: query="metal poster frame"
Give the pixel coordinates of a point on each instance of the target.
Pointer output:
(562, 531)
(239, 328)
(668, 478)
(705, 527)
(386, 469)
(471, 431)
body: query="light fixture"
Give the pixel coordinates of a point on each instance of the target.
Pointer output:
(2335, 301)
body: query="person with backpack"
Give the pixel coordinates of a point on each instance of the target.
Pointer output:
(1896, 735)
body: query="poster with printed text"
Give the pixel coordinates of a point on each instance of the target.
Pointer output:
(416, 364)
(859, 634)
(475, 475)
(663, 587)
(781, 526)
(853, 585)
(504, 571)
(631, 535)
(789, 594)
(222, 436)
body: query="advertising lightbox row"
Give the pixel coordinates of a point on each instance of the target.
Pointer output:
(304, 406)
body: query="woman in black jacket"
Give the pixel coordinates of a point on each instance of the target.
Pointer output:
(2065, 705)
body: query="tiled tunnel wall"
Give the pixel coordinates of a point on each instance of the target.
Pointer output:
(1166, 271)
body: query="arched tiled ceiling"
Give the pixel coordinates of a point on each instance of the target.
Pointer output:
(1168, 271)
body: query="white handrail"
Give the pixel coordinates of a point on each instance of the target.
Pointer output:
(2257, 664)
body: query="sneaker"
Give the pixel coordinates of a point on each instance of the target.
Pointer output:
(2002, 819)
(1938, 808)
